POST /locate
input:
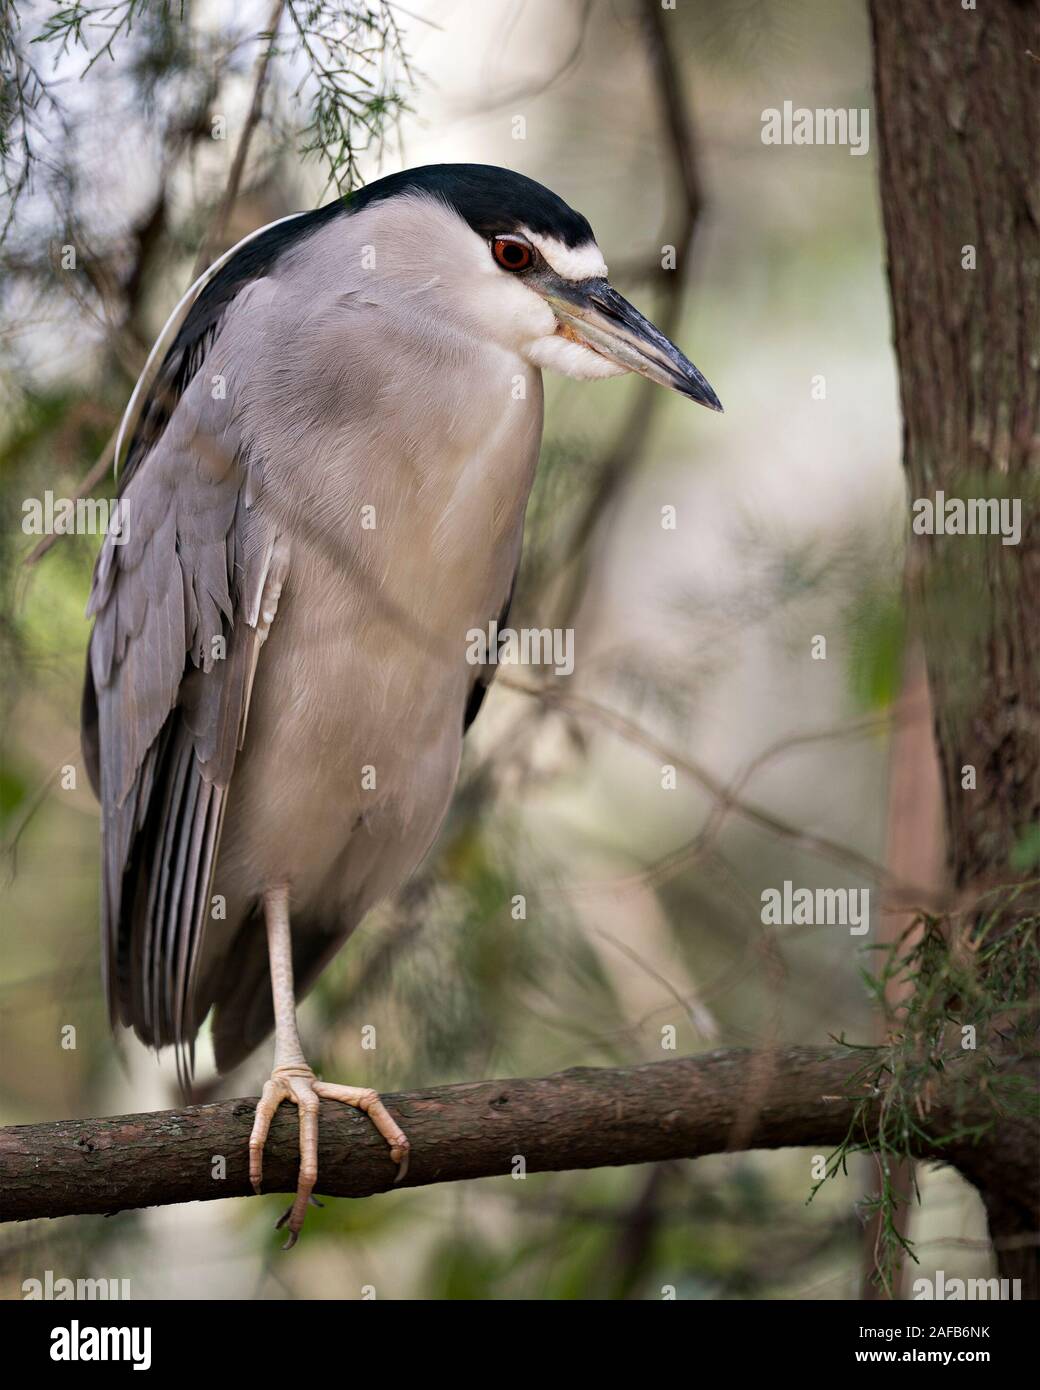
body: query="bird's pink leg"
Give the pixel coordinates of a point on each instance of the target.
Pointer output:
(293, 1080)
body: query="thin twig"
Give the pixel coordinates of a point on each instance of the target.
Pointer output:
(757, 815)
(218, 226)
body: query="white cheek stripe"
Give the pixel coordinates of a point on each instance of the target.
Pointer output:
(572, 262)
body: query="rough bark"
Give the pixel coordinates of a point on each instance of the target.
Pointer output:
(584, 1118)
(958, 127)
(958, 117)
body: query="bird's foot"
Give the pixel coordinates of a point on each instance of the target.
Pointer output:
(299, 1085)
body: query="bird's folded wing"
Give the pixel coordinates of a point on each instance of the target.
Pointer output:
(179, 612)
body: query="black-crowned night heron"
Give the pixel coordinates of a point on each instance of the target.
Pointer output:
(329, 457)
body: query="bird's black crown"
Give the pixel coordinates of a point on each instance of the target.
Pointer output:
(490, 199)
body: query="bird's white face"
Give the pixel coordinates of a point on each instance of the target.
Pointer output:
(527, 293)
(559, 349)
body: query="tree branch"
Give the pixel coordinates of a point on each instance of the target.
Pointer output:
(218, 228)
(583, 1118)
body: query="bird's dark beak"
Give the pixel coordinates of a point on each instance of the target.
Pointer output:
(594, 314)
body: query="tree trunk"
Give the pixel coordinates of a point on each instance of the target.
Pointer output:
(958, 126)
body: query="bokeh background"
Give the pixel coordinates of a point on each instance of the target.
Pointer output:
(643, 903)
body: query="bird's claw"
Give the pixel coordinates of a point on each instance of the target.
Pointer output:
(300, 1085)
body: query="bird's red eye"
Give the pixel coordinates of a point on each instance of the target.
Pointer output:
(511, 255)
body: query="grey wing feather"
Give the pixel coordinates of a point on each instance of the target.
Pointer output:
(171, 660)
